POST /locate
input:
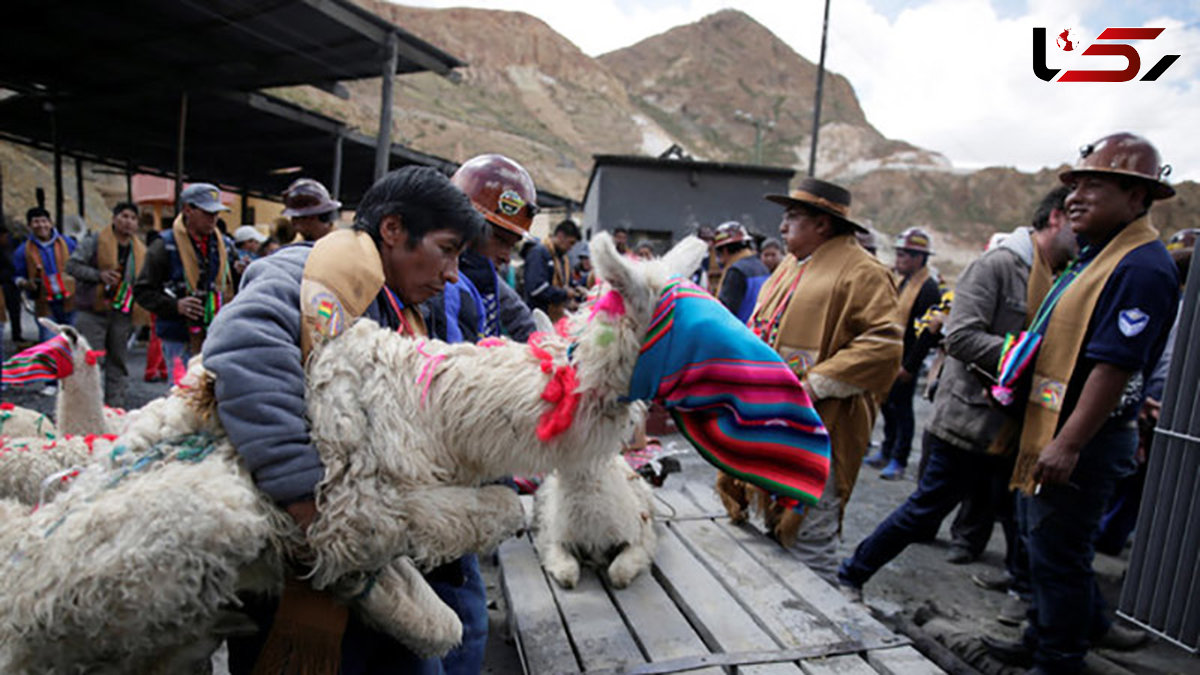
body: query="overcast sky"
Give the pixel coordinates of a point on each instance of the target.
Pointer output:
(954, 76)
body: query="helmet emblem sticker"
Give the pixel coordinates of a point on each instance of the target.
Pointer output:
(510, 203)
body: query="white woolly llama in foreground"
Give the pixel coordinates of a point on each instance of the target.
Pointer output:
(136, 563)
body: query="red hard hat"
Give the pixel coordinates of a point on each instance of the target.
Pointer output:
(728, 233)
(1127, 155)
(307, 197)
(916, 240)
(500, 189)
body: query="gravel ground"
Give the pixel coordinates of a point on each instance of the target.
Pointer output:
(918, 578)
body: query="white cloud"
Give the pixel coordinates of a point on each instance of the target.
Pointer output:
(951, 75)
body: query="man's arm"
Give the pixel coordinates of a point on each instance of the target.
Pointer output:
(1100, 395)
(148, 289)
(79, 265)
(515, 316)
(539, 277)
(969, 334)
(253, 349)
(870, 360)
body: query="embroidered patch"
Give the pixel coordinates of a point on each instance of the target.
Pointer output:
(1132, 321)
(510, 203)
(801, 360)
(1048, 393)
(329, 317)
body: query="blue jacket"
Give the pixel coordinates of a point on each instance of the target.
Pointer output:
(740, 285)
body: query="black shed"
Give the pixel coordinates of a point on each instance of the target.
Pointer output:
(666, 199)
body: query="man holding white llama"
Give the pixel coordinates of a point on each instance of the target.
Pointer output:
(409, 230)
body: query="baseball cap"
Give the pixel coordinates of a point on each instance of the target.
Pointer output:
(204, 196)
(247, 233)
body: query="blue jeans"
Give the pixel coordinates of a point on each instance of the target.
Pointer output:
(899, 424)
(949, 476)
(173, 350)
(1060, 525)
(59, 316)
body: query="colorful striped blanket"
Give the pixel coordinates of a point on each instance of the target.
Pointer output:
(731, 395)
(49, 360)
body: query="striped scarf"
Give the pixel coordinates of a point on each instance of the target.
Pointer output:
(731, 395)
(1021, 349)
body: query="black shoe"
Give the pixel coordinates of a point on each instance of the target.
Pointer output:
(1013, 611)
(960, 556)
(1011, 652)
(1121, 638)
(990, 580)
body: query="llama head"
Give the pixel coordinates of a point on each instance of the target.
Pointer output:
(611, 326)
(82, 354)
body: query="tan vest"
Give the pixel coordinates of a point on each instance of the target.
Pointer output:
(342, 277)
(908, 296)
(1062, 345)
(36, 273)
(106, 259)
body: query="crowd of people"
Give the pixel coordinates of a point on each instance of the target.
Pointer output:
(1046, 354)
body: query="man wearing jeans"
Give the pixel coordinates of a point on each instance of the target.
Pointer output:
(990, 302)
(1102, 325)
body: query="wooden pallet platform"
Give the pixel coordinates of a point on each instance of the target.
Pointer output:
(720, 598)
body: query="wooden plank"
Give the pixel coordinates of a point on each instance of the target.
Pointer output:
(532, 613)
(673, 505)
(777, 607)
(600, 636)
(902, 661)
(705, 495)
(658, 625)
(837, 665)
(853, 621)
(722, 622)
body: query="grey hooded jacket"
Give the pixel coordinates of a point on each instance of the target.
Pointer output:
(989, 302)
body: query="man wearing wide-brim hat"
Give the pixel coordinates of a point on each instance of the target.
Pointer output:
(829, 309)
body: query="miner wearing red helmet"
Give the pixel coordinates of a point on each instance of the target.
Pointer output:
(1094, 339)
(480, 304)
(919, 290)
(310, 207)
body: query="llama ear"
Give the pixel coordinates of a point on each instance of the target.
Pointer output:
(49, 325)
(685, 257)
(542, 322)
(611, 266)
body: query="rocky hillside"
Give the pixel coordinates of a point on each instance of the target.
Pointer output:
(549, 105)
(701, 80)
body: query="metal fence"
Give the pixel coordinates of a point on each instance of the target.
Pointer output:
(1162, 586)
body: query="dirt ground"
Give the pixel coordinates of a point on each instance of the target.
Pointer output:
(919, 579)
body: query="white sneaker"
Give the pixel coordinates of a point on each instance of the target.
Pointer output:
(49, 390)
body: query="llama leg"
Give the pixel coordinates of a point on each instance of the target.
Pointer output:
(549, 535)
(733, 495)
(402, 604)
(639, 554)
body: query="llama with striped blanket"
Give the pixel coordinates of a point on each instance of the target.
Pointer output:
(141, 557)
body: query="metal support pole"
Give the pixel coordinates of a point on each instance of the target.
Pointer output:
(183, 103)
(383, 144)
(79, 185)
(812, 153)
(245, 206)
(335, 185)
(129, 182)
(58, 179)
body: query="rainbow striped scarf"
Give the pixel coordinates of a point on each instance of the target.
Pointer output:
(731, 395)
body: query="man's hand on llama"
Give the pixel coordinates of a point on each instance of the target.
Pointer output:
(304, 513)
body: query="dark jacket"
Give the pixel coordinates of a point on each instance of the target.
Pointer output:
(989, 302)
(740, 285)
(915, 351)
(540, 291)
(161, 284)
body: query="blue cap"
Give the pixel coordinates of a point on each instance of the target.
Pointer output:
(204, 196)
